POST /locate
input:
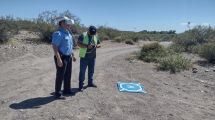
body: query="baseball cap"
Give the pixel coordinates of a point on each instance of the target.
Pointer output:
(67, 20)
(92, 30)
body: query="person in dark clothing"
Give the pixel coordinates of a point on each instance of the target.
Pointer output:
(63, 49)
(88, 43)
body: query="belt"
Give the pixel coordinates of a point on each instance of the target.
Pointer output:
(62, 55)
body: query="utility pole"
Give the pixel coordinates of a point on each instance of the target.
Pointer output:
(188, 25)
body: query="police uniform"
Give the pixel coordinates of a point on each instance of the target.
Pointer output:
(62, 39)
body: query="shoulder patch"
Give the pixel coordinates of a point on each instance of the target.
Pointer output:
(57, 33)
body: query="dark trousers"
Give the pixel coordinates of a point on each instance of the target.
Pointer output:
(85, 62)
(63, 74)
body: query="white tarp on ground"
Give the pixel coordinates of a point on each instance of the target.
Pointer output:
(130, 87)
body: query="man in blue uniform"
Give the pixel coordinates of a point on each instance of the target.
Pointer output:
(63, 55)
(88, 42)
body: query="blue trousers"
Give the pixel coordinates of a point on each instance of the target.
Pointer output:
(63, 74)
(85, 62)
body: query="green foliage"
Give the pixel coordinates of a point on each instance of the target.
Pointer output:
(7, 28)
(198, 35)
(177, 48)
(3, 37)
(111, 33)
(199, 40)
(167, 59)
(50, 16)
(45, 24)
(152, 52)
(129, 41)
(208, 52)
(135, 36)
(46, 31)
(105, 38)
(158, 32)
(118, 39)
(174, 63)
(196, 49)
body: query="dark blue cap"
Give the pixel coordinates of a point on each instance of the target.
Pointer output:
(92, 30)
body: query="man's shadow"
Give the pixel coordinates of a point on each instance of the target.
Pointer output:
(39, 101)
(33, 103)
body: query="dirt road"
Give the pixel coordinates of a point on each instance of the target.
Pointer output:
(26, 84)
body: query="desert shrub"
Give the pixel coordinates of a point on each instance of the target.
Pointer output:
(166, 58)
(111, 33)
(118, 39)
(46, 31)
(177, 48)
(194, 49)
(3, 37)
(3, 34)
(105, 38)
(201, 33)
(208, 52)
(152, 52)
(135, 39)
(7, 28)
(196, 36)
(174, 63)
(185, 39)
(129, 41)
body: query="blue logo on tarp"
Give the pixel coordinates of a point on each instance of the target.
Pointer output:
(130, 87)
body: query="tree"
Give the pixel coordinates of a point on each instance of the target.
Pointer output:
(50, 16)
(70, 15)
(47, 16)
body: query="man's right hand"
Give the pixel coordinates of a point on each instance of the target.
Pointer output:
(90, 46)
(59, 62)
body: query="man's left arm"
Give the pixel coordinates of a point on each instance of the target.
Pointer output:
(73, 55)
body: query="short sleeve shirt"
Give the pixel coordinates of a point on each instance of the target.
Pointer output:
(62, 39)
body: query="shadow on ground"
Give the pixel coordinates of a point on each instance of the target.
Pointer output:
(39, 101)
(32, 103)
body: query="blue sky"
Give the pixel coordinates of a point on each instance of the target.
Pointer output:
(134, 15)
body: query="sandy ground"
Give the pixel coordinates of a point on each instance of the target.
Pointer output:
(28, 74)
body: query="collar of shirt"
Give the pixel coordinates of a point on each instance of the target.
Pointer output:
(63, 30)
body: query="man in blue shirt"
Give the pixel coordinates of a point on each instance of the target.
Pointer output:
(63, 55)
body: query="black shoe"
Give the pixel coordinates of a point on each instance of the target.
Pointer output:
(80, 89)
(59, 96)
(92, 85)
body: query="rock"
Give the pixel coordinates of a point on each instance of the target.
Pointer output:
(165, 83)
(21, 110)
(207, 70)
(194, 70)
(53, 118)
(89, 118)
(202, 81)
